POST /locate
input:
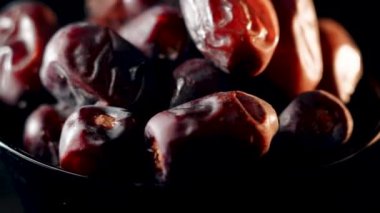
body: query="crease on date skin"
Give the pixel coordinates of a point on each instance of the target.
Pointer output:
(99, 66)
(255, 27)
(238, 36)
(203, 34)
(206, 120)
(90, 73)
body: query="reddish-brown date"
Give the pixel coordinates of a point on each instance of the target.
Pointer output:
(296, 65)
(342, 61)
(212, 132)
(93, 138)
(196, 78)
(159, 32)
(238, 36)
(25, 28)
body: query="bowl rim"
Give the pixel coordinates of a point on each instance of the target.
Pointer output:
(15, 152)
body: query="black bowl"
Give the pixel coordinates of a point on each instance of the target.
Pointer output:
(44, 188)
(348, 186)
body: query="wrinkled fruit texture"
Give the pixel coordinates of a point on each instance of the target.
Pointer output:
(42, 132)
(159, 32)
(113, 13)
(25, 28)
(238, 36)
(342, 61)
(296, 65)
(216, 128)
(85, 63)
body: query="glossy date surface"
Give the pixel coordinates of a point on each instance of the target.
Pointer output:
(238, 36)
(25, 28)
(296, 65)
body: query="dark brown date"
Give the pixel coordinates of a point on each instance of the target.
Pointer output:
(314, 126)
(208, 136)
(197, 78)
(42, 132)
(85, 63)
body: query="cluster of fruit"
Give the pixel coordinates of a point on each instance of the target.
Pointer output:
(167, 91)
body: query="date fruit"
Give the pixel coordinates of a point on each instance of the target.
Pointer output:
(25, 28)
(342, 61)
(100, 141)
(212, 136)
(315, 125)
(42, 132)
(159, 32)
(296, 66)
(238, 36)
(86, 63)
(197, 78)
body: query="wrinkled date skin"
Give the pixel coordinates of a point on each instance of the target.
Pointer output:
(42, 132)
(296, 65)
(101, 141)
(342, 61)
(159, 32)
(315, 124)
(213, 135)
(85, 63)
(238, 36)
(25, 28)
(113, 13)
(197, 78)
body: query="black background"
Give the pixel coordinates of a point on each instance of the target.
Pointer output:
(359, 17)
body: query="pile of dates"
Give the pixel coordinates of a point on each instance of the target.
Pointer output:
(178, 92)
